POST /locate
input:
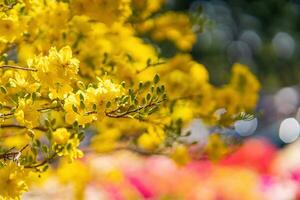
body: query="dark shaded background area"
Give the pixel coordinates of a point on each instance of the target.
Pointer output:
(265, 35)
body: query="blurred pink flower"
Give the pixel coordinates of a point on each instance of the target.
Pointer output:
(255, 154)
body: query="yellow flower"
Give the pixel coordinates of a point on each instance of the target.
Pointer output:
(61, 136)
(179, 71)
(106, 140)
(246, 84)
(216, 147)
(183, 111)
(105, 11)
(27, 113)
(77, 174)
(80, 106)
(228, 98)
(199, 73)
(144, 8)
(63, 62)
(23, 81)
(12, 181)
(70, 150)
(56, 71)
(60, 91)
(180, 154)
(76, 111)
(151, 139)
(108, 89)
(179, 31)
(9, 28)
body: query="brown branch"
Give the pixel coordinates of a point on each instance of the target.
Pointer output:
(151, 65)
(131, 148)
(17, 68)
(21, 127)
(125, 114)
(156, 123)
(5, 115)
(15, 155)
(140, 151)
(91, 112)
(187, 97)
(48, 108)
(44, 162)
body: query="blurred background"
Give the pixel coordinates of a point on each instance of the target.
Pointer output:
(262, 34)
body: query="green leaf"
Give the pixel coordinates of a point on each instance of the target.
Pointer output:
(47, 123)
(148, 97)
(3, 90)
(75, 125)
(164, 97)
(27, 96)
(125, 99)
(45, 168)
(80, 84)
(34, 96)
(130, 58)
(69, 146)
(38, 143)
(81, 97)
(156, 79)
(108, 104)
(82, 105)
(152, 88)
(162, 88)
(140, 86)
(74, 108)
(188, 133)
(123, 84)
(148, 62)
(81, 136)
(45, 149)
(158, 90)
(105, 55)
(53, 121)
(147, 84)
(152, 110)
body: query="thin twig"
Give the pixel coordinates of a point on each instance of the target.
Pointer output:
(151, 65)
(44, 162)
(15, 155)
(187, 97)
(4, 115)
(17, 68)
(22, 127)
(48, 108)
(129, 148)
(125, 114)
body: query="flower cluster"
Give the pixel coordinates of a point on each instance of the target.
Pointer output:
(93, 71)
(268, 173)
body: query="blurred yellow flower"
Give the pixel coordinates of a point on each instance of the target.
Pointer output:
(12, 181)
(180, 154)
(164, 27)
(61, 136)
(27, 113)
(152, 138)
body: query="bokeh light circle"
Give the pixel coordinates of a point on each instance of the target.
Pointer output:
(289, 130)
(245, 127)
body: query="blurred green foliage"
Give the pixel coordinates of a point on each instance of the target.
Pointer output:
(262, 34)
